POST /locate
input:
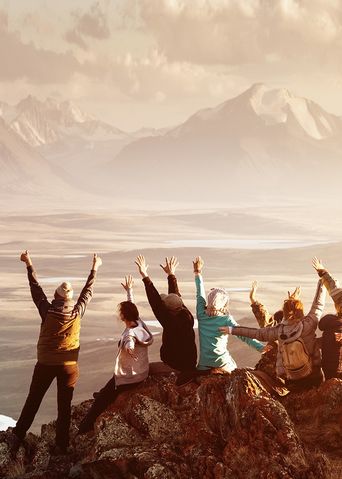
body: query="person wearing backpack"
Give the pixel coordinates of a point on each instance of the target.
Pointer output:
(331, 325)
(298, 358)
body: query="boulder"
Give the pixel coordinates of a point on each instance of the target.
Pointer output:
(217, 427)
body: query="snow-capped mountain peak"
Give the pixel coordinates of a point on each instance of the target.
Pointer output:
(277, 105)
(71, 113)
(47, 122)
(262, 105)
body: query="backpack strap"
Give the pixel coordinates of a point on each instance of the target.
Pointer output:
(292, 336)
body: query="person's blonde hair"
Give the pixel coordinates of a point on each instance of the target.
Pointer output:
(293, 310)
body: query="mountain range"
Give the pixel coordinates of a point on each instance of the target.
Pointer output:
(261, 142)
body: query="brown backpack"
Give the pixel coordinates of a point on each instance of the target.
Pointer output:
(297, 361)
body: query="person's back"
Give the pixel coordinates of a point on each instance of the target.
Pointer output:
(178, 349)
(59, 338)
(57, 351)
(212, 315)
(331, 325)
(132, 369)
(296, 336)
(131, 363)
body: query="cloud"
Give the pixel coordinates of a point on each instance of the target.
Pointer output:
(73, 36)
(21, 60)
(90, 24)
(235, 32)
(153, 77)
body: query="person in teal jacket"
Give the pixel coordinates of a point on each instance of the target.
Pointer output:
(213, 313)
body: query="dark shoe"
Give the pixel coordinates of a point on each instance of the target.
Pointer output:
(95, 395)
(184, 378)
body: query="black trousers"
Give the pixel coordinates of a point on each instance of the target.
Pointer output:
(103, 399)
(42, 378)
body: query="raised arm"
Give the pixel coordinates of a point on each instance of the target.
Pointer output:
(318, 304)
(152, 294)
(87, 291)
(260, 312)
(332, 284)
(170, 269)
(201, 300)
(37, 293)
(128, 287)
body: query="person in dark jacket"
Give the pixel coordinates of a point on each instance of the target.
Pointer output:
(331, 325)
(58, 349)
(178, 349)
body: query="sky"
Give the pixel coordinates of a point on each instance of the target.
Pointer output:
(153, 63)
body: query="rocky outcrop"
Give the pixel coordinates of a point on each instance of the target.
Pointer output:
(219, 427)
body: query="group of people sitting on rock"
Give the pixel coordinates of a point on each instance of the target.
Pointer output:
(290, 336)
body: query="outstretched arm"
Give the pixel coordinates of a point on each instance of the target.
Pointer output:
(128, 287)
(170, 269)
(152, 294)
(37, 293)
(262, 334)
(87, 291)
(252, 342)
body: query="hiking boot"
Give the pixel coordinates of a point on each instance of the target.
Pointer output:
(13, 442)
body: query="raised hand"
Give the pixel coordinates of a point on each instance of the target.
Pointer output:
(198, 265)
(317, 264)
(142, 266)
(170, 265)
(97, 262)
(25, 258)
(252, 293)
(128, 284)
(296, 293)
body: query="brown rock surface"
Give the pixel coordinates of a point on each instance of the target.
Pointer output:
(220, 427)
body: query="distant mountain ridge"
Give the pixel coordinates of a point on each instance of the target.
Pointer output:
(263, 139)
(46, 122)
(245, 145)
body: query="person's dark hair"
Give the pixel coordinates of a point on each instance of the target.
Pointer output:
(278, 316)
(129, 311)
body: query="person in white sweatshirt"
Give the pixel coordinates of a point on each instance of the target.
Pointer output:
(131, 364)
